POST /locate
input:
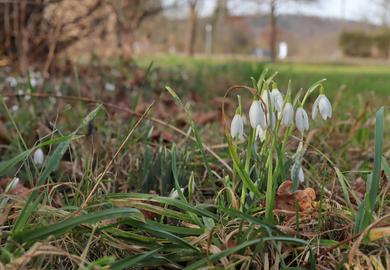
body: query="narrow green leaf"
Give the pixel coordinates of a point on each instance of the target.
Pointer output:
(133, 260)
(66, 225)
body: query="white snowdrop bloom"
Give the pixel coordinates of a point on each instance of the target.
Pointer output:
(237, 127)
(301, 176)
(38, 157)
(33, 81)
(109, 87)
(287, 115)
(15, 108)
(323, 105)
(301, 120)
(27, 97)
(260, 133)
(257, 115)
(277, 99)
(267, 98)
(11, 81)
(20, 92)
(271, 120)
(175, 194)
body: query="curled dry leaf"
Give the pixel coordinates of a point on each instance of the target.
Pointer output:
(286, 200)
(19, 190)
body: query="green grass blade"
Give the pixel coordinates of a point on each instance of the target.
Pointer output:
(133, 260)
(376, 176)
(66, 225)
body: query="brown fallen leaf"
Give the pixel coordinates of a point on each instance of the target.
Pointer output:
(19, 190)
(286, 200)
(205, 118)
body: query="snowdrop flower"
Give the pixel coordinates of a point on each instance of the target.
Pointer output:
(323, 105)
(277, 99)
(301, 176)
(11, 81)
(38, 157)
(267, 99)
(287, 115)
(15, 108)
(260, 133)
(109, 87)
(257, 115)
(175, 194)
(271, 120)
(301, 120)
(237, 127)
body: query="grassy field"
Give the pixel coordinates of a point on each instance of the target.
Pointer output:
(103, 167)
(351, 78)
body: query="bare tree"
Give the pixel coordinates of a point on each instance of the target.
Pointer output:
(35, 31)
(192, 25)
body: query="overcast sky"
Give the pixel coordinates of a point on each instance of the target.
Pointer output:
(349, 9)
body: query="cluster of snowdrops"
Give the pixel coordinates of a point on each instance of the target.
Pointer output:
(271, 110)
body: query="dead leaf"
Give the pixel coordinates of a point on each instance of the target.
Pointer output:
(286, 200)
(377, 233)
(19, 190)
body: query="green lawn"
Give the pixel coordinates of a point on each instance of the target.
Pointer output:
(351, 78)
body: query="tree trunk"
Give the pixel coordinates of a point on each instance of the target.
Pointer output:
(192, 21)
(273, 30)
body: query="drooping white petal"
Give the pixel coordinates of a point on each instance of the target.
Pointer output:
(38, 157)
(315, 108)
(175, 194)
(301, 120)
(325, 107)
(260, 133)
(256, 115)
(322, 104)
(301, 176)
(237, 127)
(277, 99)
(287, 114)
(267, 98)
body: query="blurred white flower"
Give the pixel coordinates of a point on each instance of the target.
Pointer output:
(287, 115)
(301, 175)
(109, 87)
(38, 157)
(237, 127)
(323, 105)
(15, 108)
(277, 99)
(11, 81)
(271, 120)
(175, 194)
(260, 133)
(257, 115)
(20, 92)
(267, 98)
(301, 120)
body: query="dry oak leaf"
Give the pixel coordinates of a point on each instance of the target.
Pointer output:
(286, 200)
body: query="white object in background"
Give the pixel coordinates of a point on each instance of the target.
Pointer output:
(283, 50)
(38, 157)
